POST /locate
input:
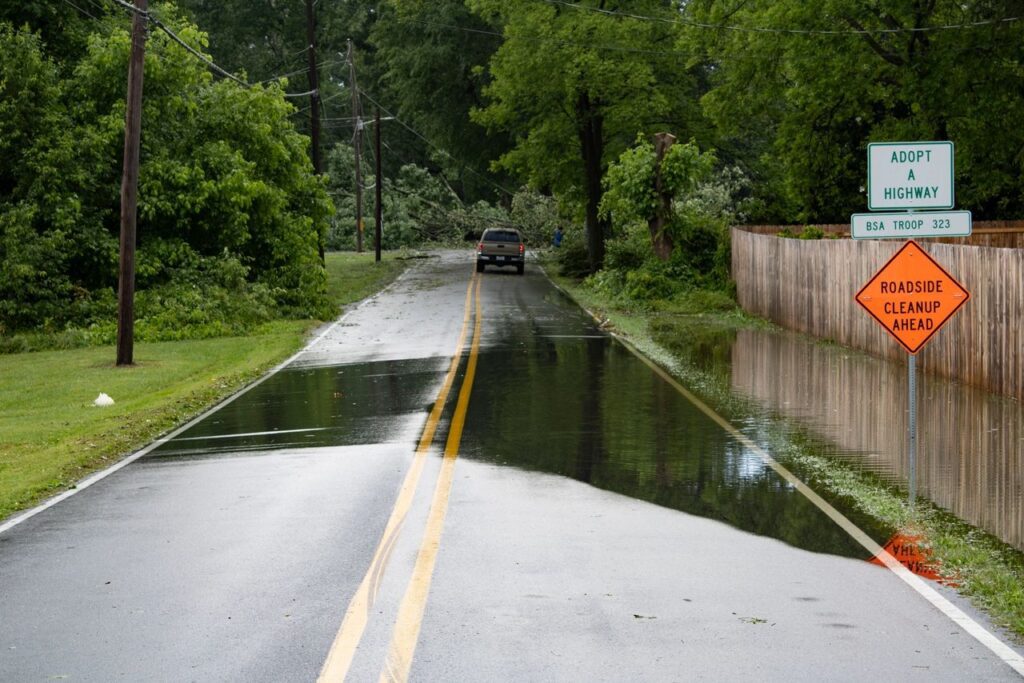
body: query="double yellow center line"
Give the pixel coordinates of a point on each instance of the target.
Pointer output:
(410, 615)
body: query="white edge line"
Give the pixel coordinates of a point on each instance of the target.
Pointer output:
(103, 474)
(1004, 652)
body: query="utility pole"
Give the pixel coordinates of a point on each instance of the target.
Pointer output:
(377, 216)
(130, 189)
(314, 102)
(356, 145)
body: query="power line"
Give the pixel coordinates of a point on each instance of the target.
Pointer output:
(791, 31)
(436, 147)
(195, 53)
(99, 5)
(556, 41)
(667, 53)
(152, 19)
(303, 70)
(322, 100)
(85, 12)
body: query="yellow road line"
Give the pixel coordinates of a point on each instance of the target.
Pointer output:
(343, 650)
(410, 614)
(954, 613)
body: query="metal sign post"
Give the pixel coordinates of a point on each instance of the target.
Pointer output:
(912, 297)
(912, 428)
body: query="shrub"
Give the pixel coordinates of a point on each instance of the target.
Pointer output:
(628, 252)
(811, 232)
(573, 260)
(648, 285)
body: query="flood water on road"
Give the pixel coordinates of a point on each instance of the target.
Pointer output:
(309, 407)
(555, 394)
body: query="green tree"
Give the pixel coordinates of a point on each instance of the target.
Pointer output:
(574, 86)
(267, 41)
(808, 103)
(648, 186)
(429, 53)
(36, 226)
(225, 179)
(62, 29)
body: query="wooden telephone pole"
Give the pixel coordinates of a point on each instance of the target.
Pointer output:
(357, 144)
(314, 102)
(378, 211)
(129, 189)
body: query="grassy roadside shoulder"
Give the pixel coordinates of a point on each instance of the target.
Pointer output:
(988, 571)
(51, 436)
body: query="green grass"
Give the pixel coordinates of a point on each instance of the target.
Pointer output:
(51, 436)
(353, 277)
(686, 339)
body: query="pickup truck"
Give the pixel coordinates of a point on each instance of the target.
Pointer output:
(501, 247)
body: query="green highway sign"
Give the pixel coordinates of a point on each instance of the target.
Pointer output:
(909, 225)
(910, 175)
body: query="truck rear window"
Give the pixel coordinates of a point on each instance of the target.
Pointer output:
(500, 236)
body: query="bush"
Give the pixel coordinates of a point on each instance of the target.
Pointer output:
(628, 252)
(698, 246)
(645, 285)
(811, 232)
(194, 310)
(573, 259)
(204, 297)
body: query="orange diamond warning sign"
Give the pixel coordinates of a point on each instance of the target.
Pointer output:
(912, 296)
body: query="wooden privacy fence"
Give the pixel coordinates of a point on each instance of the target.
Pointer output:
(809, 285)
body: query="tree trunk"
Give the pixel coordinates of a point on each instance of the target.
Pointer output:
(660, 239)
(590, 126)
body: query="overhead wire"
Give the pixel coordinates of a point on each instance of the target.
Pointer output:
(85, 12)
(98, 5)
(395, 187)
(433, 145)
(549, 40)
(320, 65)
(674, 53)
(793, 31)
(213, 66)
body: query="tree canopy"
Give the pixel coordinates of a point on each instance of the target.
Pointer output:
(225, 178)
(481, 98)
(574, 87)
(822, 80)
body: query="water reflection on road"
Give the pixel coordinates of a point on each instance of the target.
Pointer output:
(313, 407)
(553, 394)
(970, 442)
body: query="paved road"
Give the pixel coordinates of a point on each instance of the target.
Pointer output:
(570, 516)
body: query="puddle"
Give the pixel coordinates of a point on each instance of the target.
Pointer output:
(381, 402)
(574, 403)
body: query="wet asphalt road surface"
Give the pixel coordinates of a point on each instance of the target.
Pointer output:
(598, 527)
